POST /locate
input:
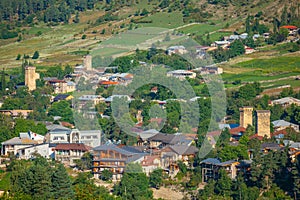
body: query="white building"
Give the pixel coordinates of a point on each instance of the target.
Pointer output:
(176, 50)
(29, 152)
(12, 146)
(181, 74)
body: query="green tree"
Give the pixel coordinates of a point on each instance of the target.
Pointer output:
(36, 55)
(3, 82)
(156, 178)
(61, 184)
(223, 184)
(106, 175)
(63, 109)
(134, 184)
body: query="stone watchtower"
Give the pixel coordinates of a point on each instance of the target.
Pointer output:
(31, 77)
(263, 123)
(246, 116)
(87, 62)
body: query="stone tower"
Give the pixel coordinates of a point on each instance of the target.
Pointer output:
(246, 116)
(87, 62)
(31, 77)
(263, 123)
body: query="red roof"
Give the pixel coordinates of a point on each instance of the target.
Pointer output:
(108, 83)
(280, 132)
(149, 160)
(256, 136)
(57, 81)
(72, 146)
(289, 27)
(237, 130)
(214, 133)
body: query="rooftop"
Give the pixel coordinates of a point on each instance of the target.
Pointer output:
(72, 146)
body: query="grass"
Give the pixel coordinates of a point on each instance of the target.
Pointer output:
(35, 30)
(5, 181)
(200, 29)
(164, 20)
(277, 64)
(133, 37)
(108, 51)
(271, 73)
(294, 83)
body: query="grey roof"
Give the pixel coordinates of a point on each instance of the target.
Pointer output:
(244, 163)
(114, 148)
(184, 149)
(57, 127)
(295, 145)
(181, 139)
(89, 97)
(110, 98)
(270, 146)
(147, 134)
(71, 83)
(282, 123)
(228, 162)
(213, 161)
(131, 149)
(286, 100)
(162, 137)
(61, 97)
(19, 141)
(135, 157)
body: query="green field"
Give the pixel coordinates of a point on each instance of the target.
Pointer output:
(277, 71)
(165, 20)
(273, 65)
(200, 29)
(108, 51)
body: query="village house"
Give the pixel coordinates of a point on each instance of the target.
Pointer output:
(181, 74)
(211, 166)
(279, 125)
(209, 70)
(286, 101)
(150, 163)
(113, 158)
(292, 29)
(68, 152)
(176, 50)
(89, 99)
(27, 139)
(60, 134)
(31, 151)
(16, 113)
(62, 86)
(61, 97)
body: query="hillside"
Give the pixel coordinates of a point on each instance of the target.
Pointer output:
(62, 43)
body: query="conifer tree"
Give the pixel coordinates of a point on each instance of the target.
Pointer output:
(61, 184)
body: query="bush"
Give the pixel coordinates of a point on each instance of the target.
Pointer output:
(106, 175)
(36, 55)
(83, 36)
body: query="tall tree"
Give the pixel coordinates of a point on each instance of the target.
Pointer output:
(61, 184)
